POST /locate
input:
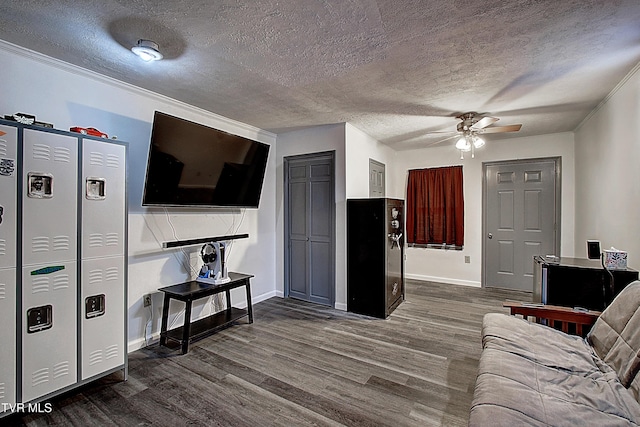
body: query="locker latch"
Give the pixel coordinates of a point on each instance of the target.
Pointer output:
(94, 306)
(95, 188)
(39, 318)
(39, 185)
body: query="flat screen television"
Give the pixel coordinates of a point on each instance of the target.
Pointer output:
(195, 165)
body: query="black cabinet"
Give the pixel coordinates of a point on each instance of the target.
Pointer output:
(577, 282)
(375, 255)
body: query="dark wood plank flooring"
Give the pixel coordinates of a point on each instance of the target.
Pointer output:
(302, 364)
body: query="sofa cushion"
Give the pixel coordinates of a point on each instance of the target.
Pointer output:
(615, 336)
(534, 375)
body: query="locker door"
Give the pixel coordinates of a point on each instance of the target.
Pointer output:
(103, 341)
(103, 199)
(50, 176)
(8, 245)
(49, 332)
(49, 268)
(7, 336)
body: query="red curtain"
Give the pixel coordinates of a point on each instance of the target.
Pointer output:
(435, 206)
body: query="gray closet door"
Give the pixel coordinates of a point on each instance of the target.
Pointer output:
(309, 228)
(376, 179)
(521, 211)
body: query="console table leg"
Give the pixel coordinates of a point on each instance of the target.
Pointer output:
(186, 330)
(165, 315)
(227, 293)
(249, 304)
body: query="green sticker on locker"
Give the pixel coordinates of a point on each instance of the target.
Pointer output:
(47, 270)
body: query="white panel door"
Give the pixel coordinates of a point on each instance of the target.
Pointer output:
(8, 195)
(49, 331)
(103, 305)
(520, 220)
(7, 336)
(103, 199)
(50, 176)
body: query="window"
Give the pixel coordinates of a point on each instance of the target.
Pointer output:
(435, 207)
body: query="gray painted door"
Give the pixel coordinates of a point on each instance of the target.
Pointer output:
(376, 179)
(309, 228)
(521, 211)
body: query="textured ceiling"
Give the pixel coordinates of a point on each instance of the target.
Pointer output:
(396, 69)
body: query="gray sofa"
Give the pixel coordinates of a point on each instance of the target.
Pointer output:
(534, 375)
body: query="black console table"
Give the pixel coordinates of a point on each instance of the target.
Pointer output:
(190, 291)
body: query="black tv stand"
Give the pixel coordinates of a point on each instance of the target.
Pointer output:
(191, 291)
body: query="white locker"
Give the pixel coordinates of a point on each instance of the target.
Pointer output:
(8, 259)
(103, 200)
(49, 328)
(49, 199)
(103, 231)
(7, 336)
(103, 312)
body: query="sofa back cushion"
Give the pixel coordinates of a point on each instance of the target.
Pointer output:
(615, 337)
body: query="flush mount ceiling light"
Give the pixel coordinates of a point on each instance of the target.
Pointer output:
(147, 50)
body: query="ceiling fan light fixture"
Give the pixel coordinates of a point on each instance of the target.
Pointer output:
(147, 50)
(463, 144)
(478, 142)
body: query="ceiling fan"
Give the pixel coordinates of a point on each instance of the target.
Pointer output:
(470, 127)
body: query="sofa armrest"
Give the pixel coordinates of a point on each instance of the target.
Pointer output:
(552, 315)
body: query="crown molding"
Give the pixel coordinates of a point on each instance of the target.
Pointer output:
(230, 124)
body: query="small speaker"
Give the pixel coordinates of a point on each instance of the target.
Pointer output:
(593, 249)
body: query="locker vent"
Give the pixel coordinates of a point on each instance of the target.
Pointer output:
(95, 240)
(61, 243)
(95, 357)
(40, 376)
(62, 154)
(3, 147)
(41, 152)
(61, 282)
(111, 352)
(3, 290)
(3, 247)
(60, 369)
(112, 239)
(39, 284)
(113, 161)
(96, 159)
(40, 244)
(95, 276)
(111, 274)
(2, 391)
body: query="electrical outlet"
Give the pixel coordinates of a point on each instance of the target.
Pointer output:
(467, 259)
(146, 301)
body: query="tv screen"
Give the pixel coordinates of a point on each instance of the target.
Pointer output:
(194, 165)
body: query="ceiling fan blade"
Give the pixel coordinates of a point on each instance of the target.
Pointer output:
(441, 140)
(442, 132)
(500, 129)
(484, 122)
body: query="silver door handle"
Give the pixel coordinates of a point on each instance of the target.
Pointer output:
(490, 236)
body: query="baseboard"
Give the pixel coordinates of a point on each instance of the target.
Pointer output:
(340, 306)
(448, 280)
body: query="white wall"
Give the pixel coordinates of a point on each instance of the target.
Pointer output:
(314, 140)
(448, 266)
(67, 96)
(608, 173)
(360, 147)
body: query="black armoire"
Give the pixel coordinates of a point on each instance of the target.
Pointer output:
(375, 255)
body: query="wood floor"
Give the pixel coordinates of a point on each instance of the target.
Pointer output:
(301, 364)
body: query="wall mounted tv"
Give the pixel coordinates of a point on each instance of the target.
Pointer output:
(194, 165)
